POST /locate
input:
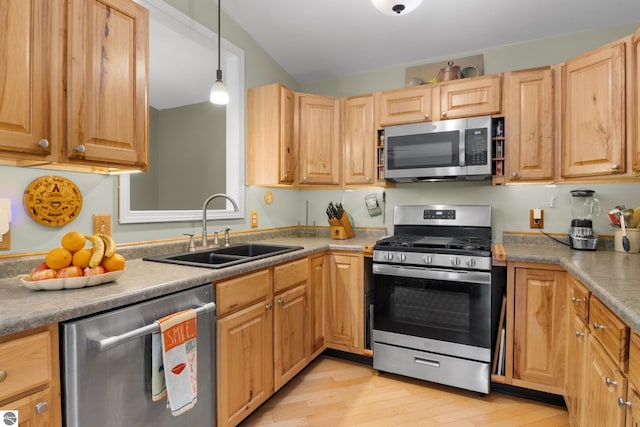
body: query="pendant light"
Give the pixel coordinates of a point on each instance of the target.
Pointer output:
(219, 94)
(396, 7)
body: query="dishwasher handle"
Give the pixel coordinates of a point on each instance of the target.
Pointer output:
(115, 340)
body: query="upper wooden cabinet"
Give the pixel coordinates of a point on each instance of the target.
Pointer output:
(477, 96)
(635, 94)
(592, 113)
(29, 47)
(529, 116)
(271, 151)
(359, 140)
(87, 110)
(406, 105)
(318, 130)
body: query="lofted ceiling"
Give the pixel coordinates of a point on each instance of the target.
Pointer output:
(325, 39)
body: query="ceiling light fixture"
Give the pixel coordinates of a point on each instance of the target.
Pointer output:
(396, 7)
(219, 94)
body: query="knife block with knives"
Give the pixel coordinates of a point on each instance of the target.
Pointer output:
(339, 220)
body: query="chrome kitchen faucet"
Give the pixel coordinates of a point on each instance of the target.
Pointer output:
(204, 218)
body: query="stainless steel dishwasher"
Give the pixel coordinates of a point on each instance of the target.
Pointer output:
(106, 363)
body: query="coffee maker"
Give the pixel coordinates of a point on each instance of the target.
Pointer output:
(583, 207)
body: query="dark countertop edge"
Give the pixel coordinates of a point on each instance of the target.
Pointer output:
(611, 285)
(34, 316)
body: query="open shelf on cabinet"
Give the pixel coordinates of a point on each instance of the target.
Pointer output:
(498, 142)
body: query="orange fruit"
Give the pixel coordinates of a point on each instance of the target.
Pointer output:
(114, 262)
(58, 258)
(81, 257)
(73, 241)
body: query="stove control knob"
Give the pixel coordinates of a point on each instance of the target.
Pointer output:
(427, 259)
(471, 262)
(455, 261)
(402, 257)
(388, 256)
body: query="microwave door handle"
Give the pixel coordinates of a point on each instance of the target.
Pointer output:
(462, 148)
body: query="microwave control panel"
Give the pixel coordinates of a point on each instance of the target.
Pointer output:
(477, 144)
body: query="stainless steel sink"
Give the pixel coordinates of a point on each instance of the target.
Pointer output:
(225, 256)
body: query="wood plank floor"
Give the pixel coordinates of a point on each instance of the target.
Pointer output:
(333, 392)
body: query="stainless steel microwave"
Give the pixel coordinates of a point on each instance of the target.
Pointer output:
(448, 150)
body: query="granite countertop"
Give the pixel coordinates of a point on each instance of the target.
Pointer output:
(613, 277)
(23, 308)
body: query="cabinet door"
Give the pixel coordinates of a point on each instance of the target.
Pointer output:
(28, 48)
(35, 410)
(593, 113)
(635, 98)
(317, 285)
(345, 302)
(633, 412)
(359, 140)
(319, 139)
(530, 119)
(107, 82)
(471, 97)
(244, 361)
(540, 329)
(290, 334)
(575, 396)
(606, 385)
(408, 105)
(271, 153)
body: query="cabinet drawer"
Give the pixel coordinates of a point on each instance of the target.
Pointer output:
(579, 299)
(290, 274)
(634, 358)
(610, 331)
(26, 364)
(242, 291)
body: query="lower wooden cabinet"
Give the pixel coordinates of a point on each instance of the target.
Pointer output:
(290, 334)
(318, 279)
(30, 372)
(606, 385)
(345, 302)
(577, 350)
(539, 329)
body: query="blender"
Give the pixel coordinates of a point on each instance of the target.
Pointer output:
(583, 207)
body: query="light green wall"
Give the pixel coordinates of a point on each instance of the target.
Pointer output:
(510, 203)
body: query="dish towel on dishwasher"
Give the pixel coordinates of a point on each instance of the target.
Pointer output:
(174, 361)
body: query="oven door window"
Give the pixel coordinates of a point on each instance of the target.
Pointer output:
(441, 149)
(456, 312)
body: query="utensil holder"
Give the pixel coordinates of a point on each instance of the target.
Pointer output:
(341, 228)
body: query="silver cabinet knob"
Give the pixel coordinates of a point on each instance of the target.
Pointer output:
(368, 178)
(80, 148)
(622, 403)
(3, 375)
(514, 174)
(615, 167)
(43, 143)
(575, 300)
(609, 382)
(304, 179)
(444, 114)
(597, 326)
(42, 407)
(426, 115)
(281, 301)
(579, 334)
(268, 307)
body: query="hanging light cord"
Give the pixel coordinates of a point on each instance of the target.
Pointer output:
(219, 71)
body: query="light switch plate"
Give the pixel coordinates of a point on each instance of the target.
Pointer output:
(102, 224)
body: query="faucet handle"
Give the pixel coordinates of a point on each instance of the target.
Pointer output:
(216, 242)
(227, 240)
(192, 244)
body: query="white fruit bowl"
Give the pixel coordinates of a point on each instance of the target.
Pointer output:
(69, 282)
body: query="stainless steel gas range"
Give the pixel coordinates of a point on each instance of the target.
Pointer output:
(436, 296)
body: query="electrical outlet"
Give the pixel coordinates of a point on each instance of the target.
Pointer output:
(102, 224)
(536, 218)
(254, 219)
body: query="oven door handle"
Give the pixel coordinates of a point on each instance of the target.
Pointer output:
(481, 277)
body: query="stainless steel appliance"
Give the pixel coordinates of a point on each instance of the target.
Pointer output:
(436, 296)
(583, 207)
(106, 365)
(458, 149)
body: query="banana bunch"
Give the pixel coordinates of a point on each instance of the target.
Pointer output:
(103, 247)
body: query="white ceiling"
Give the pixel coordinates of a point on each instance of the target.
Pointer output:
(325, 39)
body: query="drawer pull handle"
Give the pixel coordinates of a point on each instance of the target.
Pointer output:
(3, 376)
(579, 334)
(609, 382)
(574, 299)
(427, 362)
(622, 403)
(596, 326)
(268, 307)
(42, 407)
